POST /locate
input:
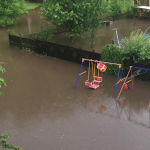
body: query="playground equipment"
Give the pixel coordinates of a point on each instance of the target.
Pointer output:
(97, 79)
(131, 78)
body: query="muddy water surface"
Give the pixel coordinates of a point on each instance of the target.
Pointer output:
(42, 111)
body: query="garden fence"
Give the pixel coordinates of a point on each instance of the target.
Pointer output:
(52, 49)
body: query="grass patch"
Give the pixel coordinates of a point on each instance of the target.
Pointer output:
(28, 5)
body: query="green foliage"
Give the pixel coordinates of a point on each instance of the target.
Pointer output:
(111, 53)
(12, 32)
(2, 81)
(132, 11)
(5, 144)
(2, 70)
(45, 34)
(10, 10)
(136, 47)
(28, 5)
(116, 7)
(75, 16)
(93, 32)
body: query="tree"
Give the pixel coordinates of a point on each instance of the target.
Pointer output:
(76, 16)
(10, 10)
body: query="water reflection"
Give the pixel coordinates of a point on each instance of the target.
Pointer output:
(128, 107)
(29, 24)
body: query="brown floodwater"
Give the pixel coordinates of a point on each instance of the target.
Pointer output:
(42, 111)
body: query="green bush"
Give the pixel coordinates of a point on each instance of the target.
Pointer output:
(111, 53)
(116, 7)
(12, 32)
(45, 34)
(132, 11)
(136, 47)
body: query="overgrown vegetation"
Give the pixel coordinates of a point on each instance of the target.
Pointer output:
(75, 16)
(137, 47)
(116, 7)
(111, 53)
(45, 34)
(12, 32)
(10, 11)
(28, 5)
(2, 81)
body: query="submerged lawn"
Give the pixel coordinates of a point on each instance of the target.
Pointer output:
(29, 5)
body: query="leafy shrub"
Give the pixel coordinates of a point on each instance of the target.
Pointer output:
(12, 32)
(132, 11)
(116, 7)
(2, 81)
(137, 46)
(45, 34)
(111, 53)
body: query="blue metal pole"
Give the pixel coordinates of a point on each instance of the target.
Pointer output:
(78, 75)
(124, 77)
(117, 82)
(141, 68)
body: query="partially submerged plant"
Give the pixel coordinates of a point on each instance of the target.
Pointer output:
(5, 144)
(2, 81)
(12, 32)
(47, 33)
(136, 46)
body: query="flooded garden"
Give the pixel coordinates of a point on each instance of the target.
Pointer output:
(42, 110)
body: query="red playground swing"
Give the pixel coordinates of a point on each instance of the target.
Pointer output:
(101, 67)
(96, 79)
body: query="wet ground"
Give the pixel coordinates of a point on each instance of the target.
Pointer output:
(42, 111)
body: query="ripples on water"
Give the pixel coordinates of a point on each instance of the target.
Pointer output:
(41, 109)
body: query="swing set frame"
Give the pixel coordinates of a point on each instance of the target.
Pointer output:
(132, 77)
(91, 60)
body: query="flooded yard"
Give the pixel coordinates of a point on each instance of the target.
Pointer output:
(42, 111)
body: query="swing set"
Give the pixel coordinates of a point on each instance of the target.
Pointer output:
(130, 79)
(96, 79)
(95, 83)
